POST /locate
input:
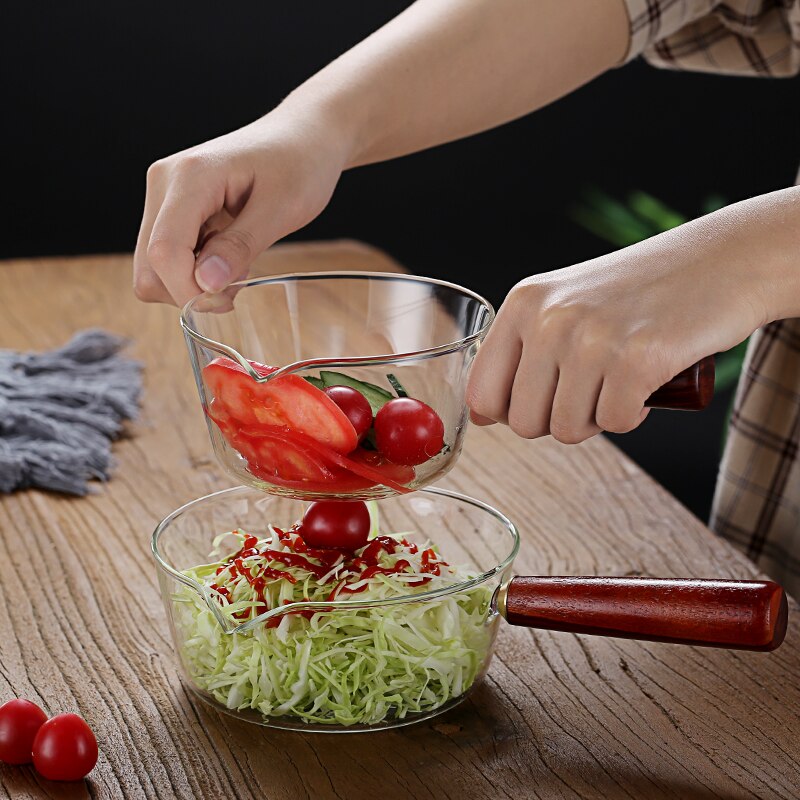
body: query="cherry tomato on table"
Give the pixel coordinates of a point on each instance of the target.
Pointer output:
(64, 749)
(355, 406)
(408, 431)
(337, 524)
(19, 722)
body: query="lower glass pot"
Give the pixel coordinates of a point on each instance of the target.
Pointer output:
(404, 650)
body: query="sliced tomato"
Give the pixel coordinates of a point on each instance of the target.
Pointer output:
(221, 418)
(341, 482)
(382, 473)
(288, 402)
(376, 461)
(262, 369)
(272, 458)
(232, 391)
(345, 481)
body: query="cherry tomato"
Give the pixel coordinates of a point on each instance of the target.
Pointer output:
(19, 722)
(408, 431)
(355, 406)
(64, 749)
(336, 523)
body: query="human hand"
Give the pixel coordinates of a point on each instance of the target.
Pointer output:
(211, 209)
(419, 81)
(579, 350)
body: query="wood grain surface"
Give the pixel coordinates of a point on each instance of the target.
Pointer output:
(560, 715)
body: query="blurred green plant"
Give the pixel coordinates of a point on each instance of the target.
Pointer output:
(638, 217)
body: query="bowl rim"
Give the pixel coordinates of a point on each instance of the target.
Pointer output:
(342, 362)
(229, 627)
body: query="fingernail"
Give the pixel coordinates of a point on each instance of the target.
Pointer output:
(213, 274)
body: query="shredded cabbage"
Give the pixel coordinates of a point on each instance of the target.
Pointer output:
(342, 666)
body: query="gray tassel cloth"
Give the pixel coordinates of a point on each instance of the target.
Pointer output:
(60, 411)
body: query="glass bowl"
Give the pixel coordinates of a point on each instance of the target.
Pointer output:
(341, 665)
(383, 334)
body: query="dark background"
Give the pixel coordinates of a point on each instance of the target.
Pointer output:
(94, 93)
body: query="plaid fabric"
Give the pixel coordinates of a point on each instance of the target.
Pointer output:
(737, 37)
(757, 500)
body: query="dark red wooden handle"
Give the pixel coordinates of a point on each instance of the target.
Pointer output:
(744, 615)
(690, 390)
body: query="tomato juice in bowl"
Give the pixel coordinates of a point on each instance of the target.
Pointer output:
(344, 385)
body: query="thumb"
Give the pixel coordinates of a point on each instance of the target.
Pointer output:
(226, 256)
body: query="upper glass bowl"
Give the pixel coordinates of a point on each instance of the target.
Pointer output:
(263, 350)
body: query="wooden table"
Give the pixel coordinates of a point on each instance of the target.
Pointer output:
(82, 627)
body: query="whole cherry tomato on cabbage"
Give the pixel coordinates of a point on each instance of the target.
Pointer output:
(342, 524)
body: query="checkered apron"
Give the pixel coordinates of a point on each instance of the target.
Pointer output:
(757, 500)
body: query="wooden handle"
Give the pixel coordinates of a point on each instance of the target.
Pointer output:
(743, 615)
(690, 390)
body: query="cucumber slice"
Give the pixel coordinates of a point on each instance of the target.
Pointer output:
(397, 386)
(376, 397)
(318, 382)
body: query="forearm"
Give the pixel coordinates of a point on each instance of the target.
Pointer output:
(445, 69)
(765, 231)
(754, 245)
